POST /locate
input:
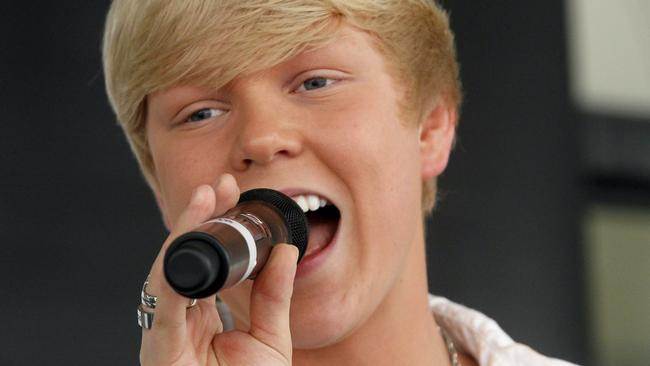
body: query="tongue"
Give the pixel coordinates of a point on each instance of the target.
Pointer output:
(321, 232)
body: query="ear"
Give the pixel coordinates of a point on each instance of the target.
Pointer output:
(437, 132)
(162, 207)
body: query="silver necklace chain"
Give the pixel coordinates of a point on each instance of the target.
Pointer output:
(453, 355)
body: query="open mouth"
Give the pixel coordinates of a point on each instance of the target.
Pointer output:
(323, 218)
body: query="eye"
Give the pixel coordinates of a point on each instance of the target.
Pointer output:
(315, 83)
(205, 113)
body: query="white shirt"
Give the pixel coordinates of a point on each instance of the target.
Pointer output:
(481, 337)
(471, 331)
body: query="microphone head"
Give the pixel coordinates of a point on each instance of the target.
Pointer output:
(294, 218)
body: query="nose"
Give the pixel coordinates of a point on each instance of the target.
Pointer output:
(265, 135)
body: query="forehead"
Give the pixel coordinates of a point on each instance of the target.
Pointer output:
(214, 55)
(349, 50)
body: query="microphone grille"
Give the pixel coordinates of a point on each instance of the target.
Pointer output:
(294, 217)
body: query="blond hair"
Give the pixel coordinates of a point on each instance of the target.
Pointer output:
(150, 45)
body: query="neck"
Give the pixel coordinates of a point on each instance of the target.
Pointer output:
(401, 331)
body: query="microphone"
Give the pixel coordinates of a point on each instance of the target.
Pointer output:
(225, 251)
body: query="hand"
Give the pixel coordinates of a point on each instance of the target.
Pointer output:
(195, 336)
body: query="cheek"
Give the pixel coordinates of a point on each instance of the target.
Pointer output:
(370, 146)
(180, 169)
(377, 158)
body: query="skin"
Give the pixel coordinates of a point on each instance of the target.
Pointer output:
(343, 140)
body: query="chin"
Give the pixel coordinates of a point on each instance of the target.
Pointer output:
(321, 320)
(320, 328)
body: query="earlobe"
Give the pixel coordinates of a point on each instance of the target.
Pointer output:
(437, 132)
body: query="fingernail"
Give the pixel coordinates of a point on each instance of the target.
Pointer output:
(222, 177)
(219, 180)
(296, 252)
(195, 194)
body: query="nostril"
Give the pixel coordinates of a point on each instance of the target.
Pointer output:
(263, 147)
(283, 153)
(246, 163)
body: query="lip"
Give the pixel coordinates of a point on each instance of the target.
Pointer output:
(310, 263)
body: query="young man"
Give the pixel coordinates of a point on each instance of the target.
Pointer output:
(348, 102)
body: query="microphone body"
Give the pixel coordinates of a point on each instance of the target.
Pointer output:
(225, 251)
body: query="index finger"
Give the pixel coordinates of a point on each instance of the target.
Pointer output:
(206, 202)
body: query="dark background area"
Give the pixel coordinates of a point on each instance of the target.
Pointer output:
(79, 227)
(506, 235)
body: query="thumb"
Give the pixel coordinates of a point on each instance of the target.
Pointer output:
(271, 299)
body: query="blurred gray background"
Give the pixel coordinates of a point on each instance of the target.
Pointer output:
(543, 223)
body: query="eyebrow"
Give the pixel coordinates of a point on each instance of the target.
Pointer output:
(324, 56)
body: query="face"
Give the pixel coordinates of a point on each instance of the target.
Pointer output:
(324, 123)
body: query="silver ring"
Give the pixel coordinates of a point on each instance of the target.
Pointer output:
(146, 299)
(150, 301)
(145, 318)
(147, 304)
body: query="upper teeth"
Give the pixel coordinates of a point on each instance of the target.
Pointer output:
(309, 202)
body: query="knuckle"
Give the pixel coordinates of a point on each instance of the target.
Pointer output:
(163, 323)
(271, 297)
